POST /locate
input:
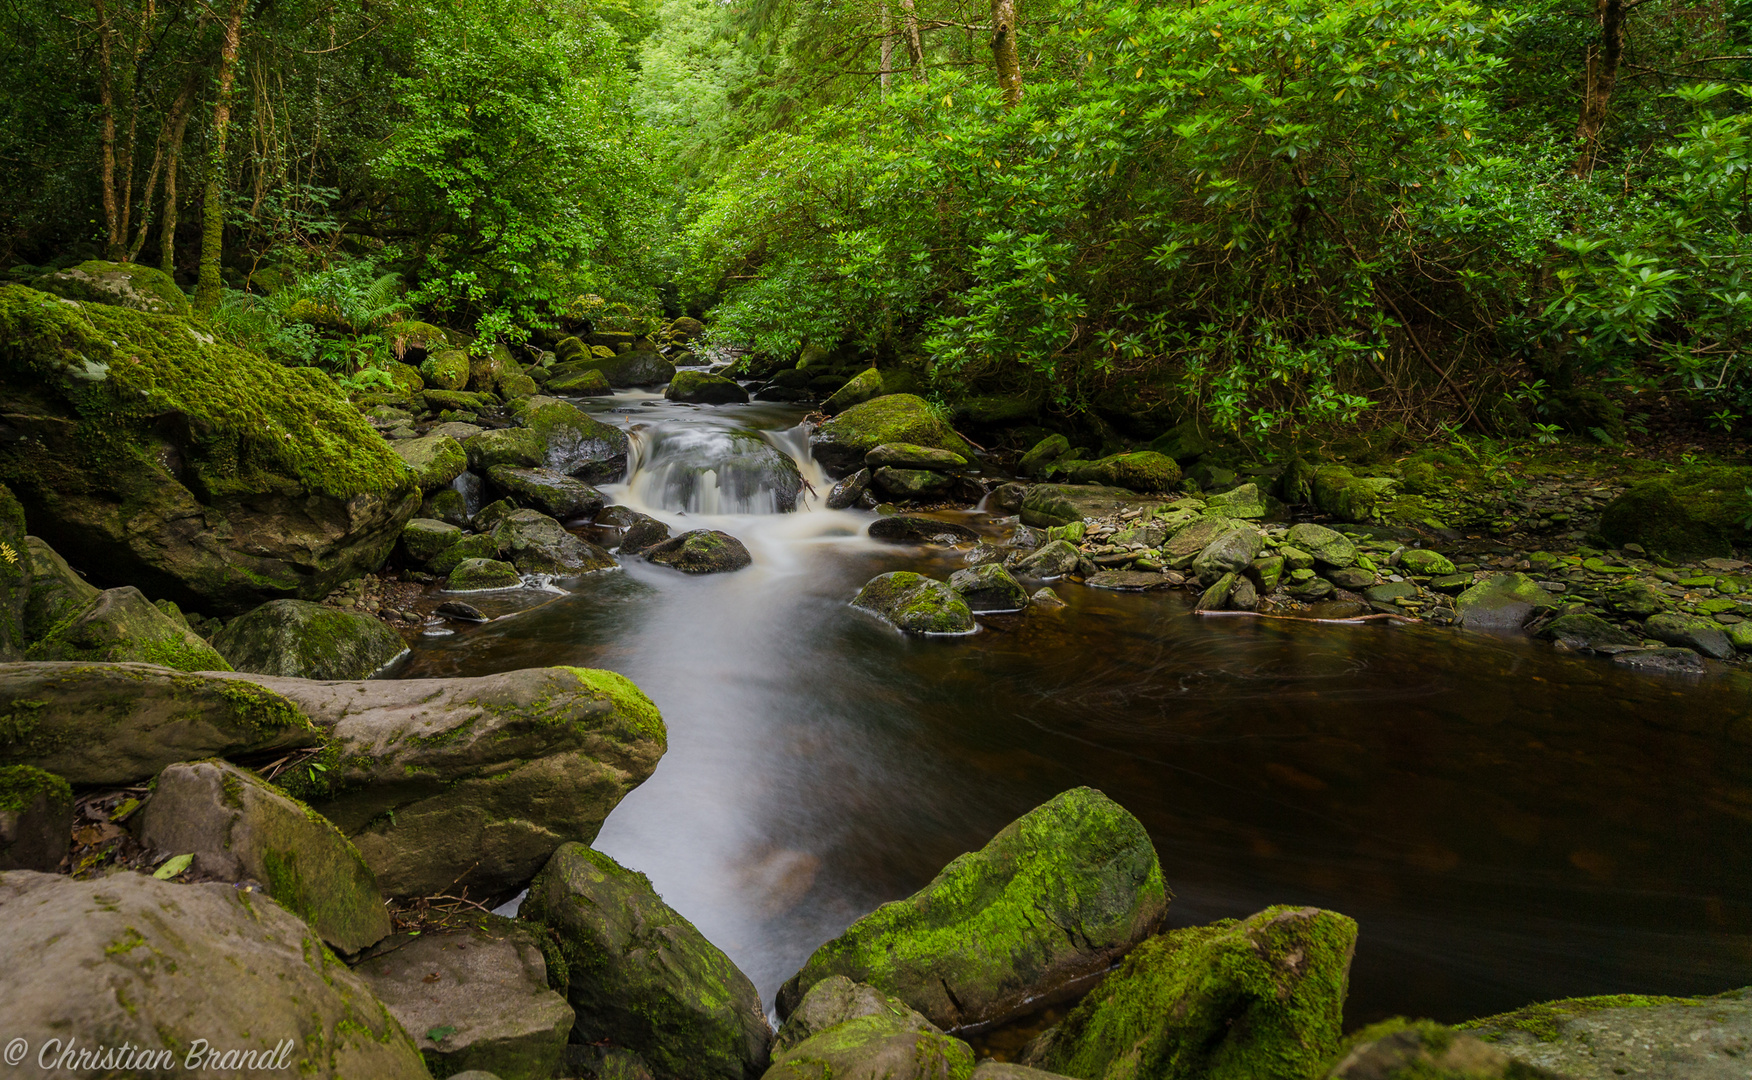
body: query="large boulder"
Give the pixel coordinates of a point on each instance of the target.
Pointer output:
(849, 1031)
(1400, 1049)
(1053, 560)
(641, 977)
(1260, 998)
(56, 591)
(1328, 546)
(154, 456)
(121, 625)
(1060, 894)
(1348, 497)
(1142, 470)
(481, 575)
(553, 493)
(1041, 456)
(702, 551)
(989, 588)
(862, 387)
(1047, 505)
(301, 640)
(128, 285)
(452, 783)
(1693, 514)
(637, 367)
(445, 369)
(1619, 1035)
(1229, 552)
(434, 459)
(841, 443)
(36, 819)
(1501, 603)
(913, 484)
(699, 388)
(123, 723)
(537, 544)
(474, 997)
(206, 972)
(915, 604)
(519, 447)
(238, 828)
(574, 442)
(1691, 632)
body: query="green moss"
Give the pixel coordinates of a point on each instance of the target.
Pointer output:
(1698, 513)
(1144, 470)
(1542, 1020)
(629, 701)
(20, 785)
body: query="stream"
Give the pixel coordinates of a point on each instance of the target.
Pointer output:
(1506, 822)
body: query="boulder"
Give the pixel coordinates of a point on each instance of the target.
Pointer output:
(154, 456)
(411, 341)
(1327, 546)
(449, 506)
(553, 493)
(175, 971)
(1043, 454)
(909, 456)
(989, 588)
(1216, 596)
(56, 592)
(1348, 497)
(537, 544)
(841, 443)
(480, 546)
(916, 529)
(1697, 513)
(915, 604)
(435, 460)
(636, 367)
(1060, 894)
(1142, 470)
(1246, 503)
(457, 401)
(864, 386)
(847, 490)
(474, 997)
(685, 329)
(643, 534)
(1047, 505)
(121, 625)
(579, 382)
(1354, 578)
(446, 369)
(1185, 443)
(1053, 560)
(1660, 661)
(129, 285)
(1259, 998)
(699, 388)
(36, 819)
(913, 483)
(518, 447)
(1637, 599)
(702, 551)
(240, 828)
(1692, 632)
(849, 1031)
(120, 724)
(1603, 1038)
(424, 539)
(574, 442)
(1501, 603)
(1585, 632)
(1400, 1049)
(478, 575)
(1231, 551)
(1131, 580)
(641, 977)
(302, 640)
(451, 783)
(1425, 563)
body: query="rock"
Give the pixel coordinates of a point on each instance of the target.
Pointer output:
(456, 609)
(129, 285)
(1048, 505)
(1242, 595)
(1044, 597)
(1603, 1038)
(992, 1069)
(469, 547)
(537, 544)
(638, 367)
(1347, 497)
(1740, 636)
(411, 341)
(1246, 502)
(989, 588)
(480, 575)
(908, 456)
(1054, 560)
(457, 401)
(517, 447)
(308, 641)
(1257, 997)
(120, 625)
(1229, 552)
(1043, 454)
(1061, 893)
(221, 479)
(587, 382)
(1694, 514)
(1637, 599)
(1295, 558)
(719, 472)
(699, 388)
(685, 329)
(1216, 597)
(1266, 571)
(914, 529)
(1667, 661)
(1501, 602)
(474, 998)
(451, 783)
(173, 970)
(849, 1031)
(1309, 589)
(573, 441)
(862, 387)
(1142, 470)
(1183, 442)
(1425, 1050)
(845, 491)
(553, 493)
(1329, 548)
(1425, 563)
(240, 828)
(1690, 631)
(116, 724)
(1389, 591)
(1452, 584)
(1189, 540)
(446, 369)
(642, 535)
(913, 483)
(1130, 581)
(435, 460)
(1585, 632)
(449, 506)
(36, 819)
(641, 977)
(1353, 578)
(515, 384)
(702, 551)
(424, 539)
(915, 604)
(56, 592)
(841, 443)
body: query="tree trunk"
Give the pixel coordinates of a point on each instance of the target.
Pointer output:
(914, 47)
(887, 47)
(170, 134)
(1601, 77)
(115, 239)
(208, 287)
(1005, 53)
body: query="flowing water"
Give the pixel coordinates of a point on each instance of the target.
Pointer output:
(1506, 822)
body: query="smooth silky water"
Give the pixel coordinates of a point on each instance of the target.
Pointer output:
(1507, 823)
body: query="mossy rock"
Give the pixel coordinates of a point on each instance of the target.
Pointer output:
(1246, 503)
(1400, 1049)
(478, 575)
(853, 1031)
(1230, 551)
(446, 369)
(302, 640)
(36, 819)
(585, 383)
(1425, 563)
(1185, 443)
(519, 447)
(1042, 455)
(699, 388)
(640, 976)
(1501, 603)
(435, 460)
(702, 551)
(1328, 546)
(57, 591)
(915, 604)
(513, 385)
(122, 626)
(154, 456)
(1047, 505)
(456, 400)
(1260, 998)
(1691, 632)
(913, 484)
(989, 588)
(634, 368)
(1589, 632)
(909, 456)
(573, 441)
(239, 827)
(553, 493)
(862, 387)
(480, 546)
(1348, 497)
(1050, 560)
(1697, 1038)
(1061, 893)
(128, 285)
(1693, 514)
(424, 539)
(486, 364)
(537, 544)
(684, 329)
(411, 341)
(447, 505)
(1141, 470)
(841, 443)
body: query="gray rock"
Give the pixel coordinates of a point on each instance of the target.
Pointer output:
(850, 1031)
(1047, 505)
(916, 529)
(700, 388)
(1243, 596)
(909, 456)
(537, 544)
(554, 494)
(1229, 552)
(239, 828)
(1501, 602)
(1044, 597)
(1053, 560)
(702, 551)
(1614, 1037)
(167, 967)
(1422, 1050)
(479, 575)
(845, 492)
(574, 442)
(301, 640)
(1581, 631)
(1130, 580)
(1661, 661)
(435, 460)
(122, 626)
(1690, 631)
(1246, 502)
(989, 587)
(913, 483)
(645, 533)
(915, 604)
(56, 592)
(36, 819)
(474, 998)
(640, 975)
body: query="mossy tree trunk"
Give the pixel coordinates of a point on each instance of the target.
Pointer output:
(915, 48)
(1602, 75)
(167, 227)
(207, 289)
(1005, 53)
(170, 135)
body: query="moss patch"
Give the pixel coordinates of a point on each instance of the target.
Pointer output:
(20, 785)
(1542, 1020)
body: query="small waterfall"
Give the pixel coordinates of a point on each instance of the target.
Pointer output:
(713, 471)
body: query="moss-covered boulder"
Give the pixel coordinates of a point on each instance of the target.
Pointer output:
(411, 341)
(121, 625)
(1637, 599)
(537, 544)
(517, 447)
(239, 827)
(1260, 998)
(841, 443)
(1401, 1049)
(850, 1031)
(1636, 1035)
(684, 329)
(1041, 456)
(1693, 514)
(36, 819)
(1051, 560)
(1691, 632)
(302, 640)
(1141, 470)
(446, 369)
(435, 460)
(1061, 893)
(1329, 547)
(574, 442)
(919, 529)
(1048, 505)
(1586, 632)
(989, 588)
(1348, 497)
(1501, 603)
(702, 551)
(168, 969)
(862, 387)
(587, 382)
(910, 456)
(128, 285)
(915, 604)
(1230, 551)
(423, 539)
(1245, 503)
(622, 371)
(480, 575)
(700, 388)
(553, 493)
(913, 484)
(56, 591)
(1425, 563)
(151, 455)
(641, 977)
(485, 366)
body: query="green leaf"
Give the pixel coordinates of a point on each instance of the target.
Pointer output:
(173, 866)
(439, 1034)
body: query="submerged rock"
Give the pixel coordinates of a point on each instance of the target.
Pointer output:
(1661, 661)
(1501, 602)
(989, 587)
(702, 551)
(850, 1031)
(1603, 1038)
(36, 819)
(641, 977)
(841, 443)
(308, 641)
(121, 625)
(1061, 893)
(168, 968)
(915, 604)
